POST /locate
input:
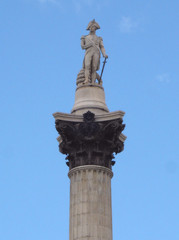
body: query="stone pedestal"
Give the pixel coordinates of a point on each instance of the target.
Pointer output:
(90, 203)
(89, 98)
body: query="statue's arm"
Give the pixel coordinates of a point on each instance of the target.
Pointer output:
(84, 44)
(101, 45)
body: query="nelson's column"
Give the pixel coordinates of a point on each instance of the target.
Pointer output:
(89, 136)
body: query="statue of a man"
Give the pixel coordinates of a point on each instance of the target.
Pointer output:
(93, 46)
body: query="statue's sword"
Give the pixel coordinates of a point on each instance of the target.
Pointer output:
(103, 68)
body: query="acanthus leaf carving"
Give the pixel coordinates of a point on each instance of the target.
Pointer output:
(90, 142)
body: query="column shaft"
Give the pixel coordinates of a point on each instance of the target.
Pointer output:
(90, 203)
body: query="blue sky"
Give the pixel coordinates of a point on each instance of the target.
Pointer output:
(40, 59)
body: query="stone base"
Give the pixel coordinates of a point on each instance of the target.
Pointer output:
(89, 97)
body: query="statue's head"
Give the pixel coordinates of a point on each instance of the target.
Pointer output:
(93, 25)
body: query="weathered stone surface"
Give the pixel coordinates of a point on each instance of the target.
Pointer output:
(90, 142)
(90, 203)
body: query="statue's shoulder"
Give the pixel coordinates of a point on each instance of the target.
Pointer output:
(100, 38)
(83, 36)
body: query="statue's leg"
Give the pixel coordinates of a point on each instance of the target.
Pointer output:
(93, 76)
(88, 58)
(95, 64)
(87, 75)
(93, 73)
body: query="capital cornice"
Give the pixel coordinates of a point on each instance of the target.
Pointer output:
(90, 141)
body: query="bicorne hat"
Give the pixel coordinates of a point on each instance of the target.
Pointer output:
(93, 23)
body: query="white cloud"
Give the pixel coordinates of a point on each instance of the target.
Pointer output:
(163, 78)
(127, 25)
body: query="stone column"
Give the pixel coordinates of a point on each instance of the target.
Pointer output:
(90, 203)
(90, 141)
